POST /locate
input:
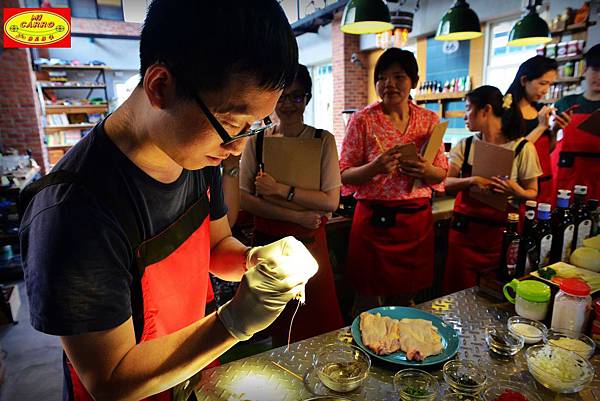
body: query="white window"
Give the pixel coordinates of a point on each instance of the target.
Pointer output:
(319, 112)
(503, 61)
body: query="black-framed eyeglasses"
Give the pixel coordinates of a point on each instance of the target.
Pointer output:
(227, 139)
(296, 98)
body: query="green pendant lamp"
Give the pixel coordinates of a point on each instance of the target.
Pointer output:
(459, 23)
(531, 29)
(366, 16)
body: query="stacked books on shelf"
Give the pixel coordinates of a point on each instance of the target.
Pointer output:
(57, 119)
(64, 138)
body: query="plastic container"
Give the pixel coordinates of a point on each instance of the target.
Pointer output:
(464, 377)
(342, 367)
(569, 340)
(532, 331)
(532, 298)
(572, 305)
(416, 385)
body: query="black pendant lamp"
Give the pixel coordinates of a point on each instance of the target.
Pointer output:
(531, 29)
(459, 23)
(366, 16)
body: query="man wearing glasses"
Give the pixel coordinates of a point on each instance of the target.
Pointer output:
(118, 240)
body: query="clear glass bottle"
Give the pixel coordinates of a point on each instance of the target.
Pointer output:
(581, 216)
(543, 234)
(563, 227)
(572, 306)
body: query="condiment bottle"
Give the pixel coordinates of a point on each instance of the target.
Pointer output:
(543, 234)
(531, 300)
(595, 216)
(510, 249)
(581, 216)
(562, 228)
(572, 305)
(529, 255)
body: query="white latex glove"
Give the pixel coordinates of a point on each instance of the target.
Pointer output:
(281, 272)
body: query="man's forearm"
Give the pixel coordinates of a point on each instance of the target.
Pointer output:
(156, 365)
(262, 208)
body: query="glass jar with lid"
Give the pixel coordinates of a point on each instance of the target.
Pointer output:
(572, 305)
(531, 298)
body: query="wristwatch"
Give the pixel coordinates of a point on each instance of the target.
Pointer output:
(232, 172)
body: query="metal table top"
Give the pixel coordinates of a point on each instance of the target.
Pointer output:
(257, 378)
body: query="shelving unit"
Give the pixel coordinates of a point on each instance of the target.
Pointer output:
(61, 125)
(570, 64)
(441, 99)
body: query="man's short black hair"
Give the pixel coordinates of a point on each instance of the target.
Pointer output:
(205, 44)
(592, 56)
(404, 58)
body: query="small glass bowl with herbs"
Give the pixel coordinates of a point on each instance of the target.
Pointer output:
(464, 377)
(416, 385)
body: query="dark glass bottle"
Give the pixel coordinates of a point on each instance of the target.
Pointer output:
(510, 249)
(563, 227)
(543, 234)
(529, 255)
(593, 207)
(581, 215)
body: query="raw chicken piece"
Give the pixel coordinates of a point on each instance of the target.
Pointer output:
(418, 338)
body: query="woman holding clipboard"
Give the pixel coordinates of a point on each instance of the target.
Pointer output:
(531, 84)
(390, 254)
(475, 238)
(280, 210)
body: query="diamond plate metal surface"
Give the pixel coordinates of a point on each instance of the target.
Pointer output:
(257, 378)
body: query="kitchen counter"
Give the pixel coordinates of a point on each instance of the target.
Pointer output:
(258, 378)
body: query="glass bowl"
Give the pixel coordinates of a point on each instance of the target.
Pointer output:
(464, 377)
(571, 340)
(460, 397)
(342, 367)
(502, 342)
(500, 387)
(416, 385)
(532, 331)
(558, 369)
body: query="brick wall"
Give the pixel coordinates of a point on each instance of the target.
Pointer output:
(20, 124)
(106, 27)
(350, 80)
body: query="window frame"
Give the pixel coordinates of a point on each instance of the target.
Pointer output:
(70, 6)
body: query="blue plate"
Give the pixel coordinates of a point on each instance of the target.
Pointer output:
(450, 338)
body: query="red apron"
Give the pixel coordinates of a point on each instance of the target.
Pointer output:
(474, 242)
(579, 159)
(321, 313)
(394, 260)
(175, 286)
(545, 188)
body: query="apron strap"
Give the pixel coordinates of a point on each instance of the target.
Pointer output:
(520, 146)
(318, 133)
(466, 168)
(260, 139)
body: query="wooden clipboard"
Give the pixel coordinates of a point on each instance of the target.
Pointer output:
(431, 147)
(591, 124)
(293, 161)
(491, 161)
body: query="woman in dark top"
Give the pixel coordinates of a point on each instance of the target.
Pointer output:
(530, 86)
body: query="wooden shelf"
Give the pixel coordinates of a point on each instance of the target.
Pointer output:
(60, 146)
(582, 26)
(74, 67)
(454, 114)
(568, 80)
(562, 59)
(57, 128)
(88, 109)
(441, 96)
(45, 85)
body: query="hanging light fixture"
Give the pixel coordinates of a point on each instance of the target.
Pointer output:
(459, 23)
(403, 23)
(366, 16)
(531, 29)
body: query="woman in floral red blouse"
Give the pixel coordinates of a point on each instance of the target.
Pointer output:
(390, 255)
